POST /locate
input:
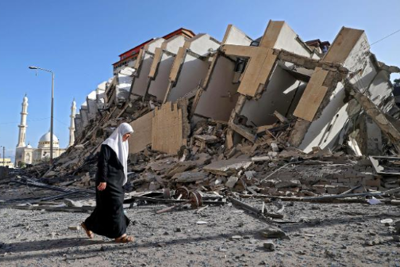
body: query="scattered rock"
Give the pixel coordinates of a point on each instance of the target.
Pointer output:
(269, 246)
(387, 222)
(236, 237)
(274, 233)
(374, 242)
(74, 227)
(72, 204)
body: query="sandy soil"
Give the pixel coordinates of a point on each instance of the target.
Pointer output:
(320, 235)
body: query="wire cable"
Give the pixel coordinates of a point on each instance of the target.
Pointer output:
(393, 33)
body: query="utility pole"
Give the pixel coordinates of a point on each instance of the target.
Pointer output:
(52, 107)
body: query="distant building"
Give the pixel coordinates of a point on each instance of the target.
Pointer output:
(26, 154)
(6, 163)
(127, 58)
(322, 47)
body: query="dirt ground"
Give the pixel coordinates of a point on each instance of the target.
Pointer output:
(320, 235)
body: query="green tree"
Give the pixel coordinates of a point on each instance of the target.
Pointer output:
(21, 164)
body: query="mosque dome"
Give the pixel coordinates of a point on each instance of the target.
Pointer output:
(44, 141)
(28, 146)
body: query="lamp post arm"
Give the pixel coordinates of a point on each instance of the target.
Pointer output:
(44, 69)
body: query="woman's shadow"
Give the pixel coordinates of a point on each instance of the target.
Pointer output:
(48, 245)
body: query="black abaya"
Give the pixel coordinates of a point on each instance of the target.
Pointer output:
(108, 218)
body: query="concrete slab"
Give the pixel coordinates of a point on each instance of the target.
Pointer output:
(141, 137)
(224, 167)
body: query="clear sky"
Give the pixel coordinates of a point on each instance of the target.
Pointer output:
(80, 39)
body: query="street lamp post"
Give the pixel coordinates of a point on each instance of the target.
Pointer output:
(52, 106)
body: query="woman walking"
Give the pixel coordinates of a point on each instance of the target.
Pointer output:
(108, 218)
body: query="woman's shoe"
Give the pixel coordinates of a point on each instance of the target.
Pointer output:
(88, 232)
(124, 239)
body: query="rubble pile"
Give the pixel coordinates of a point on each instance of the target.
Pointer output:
(271, 117)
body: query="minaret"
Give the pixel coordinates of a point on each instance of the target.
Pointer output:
(22, 126)
(72, 125)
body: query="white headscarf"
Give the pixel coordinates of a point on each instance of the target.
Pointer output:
(120, 147)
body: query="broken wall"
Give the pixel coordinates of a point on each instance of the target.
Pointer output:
(100, 95)
(142, 66)
(123, 84)
(84, 114)
(282, 94)
(142, 134)
(161, 67)
(269, 86)
(190, 66)
(219, 95)
(78, 125)
(91, 101)
(170, 128)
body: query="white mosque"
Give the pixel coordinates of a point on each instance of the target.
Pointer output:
(26, 154)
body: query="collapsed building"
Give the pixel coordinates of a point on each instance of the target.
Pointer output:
(240, 100)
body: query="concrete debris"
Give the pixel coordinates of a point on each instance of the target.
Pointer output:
(189, 177)
(231, 182)
(225, 167)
